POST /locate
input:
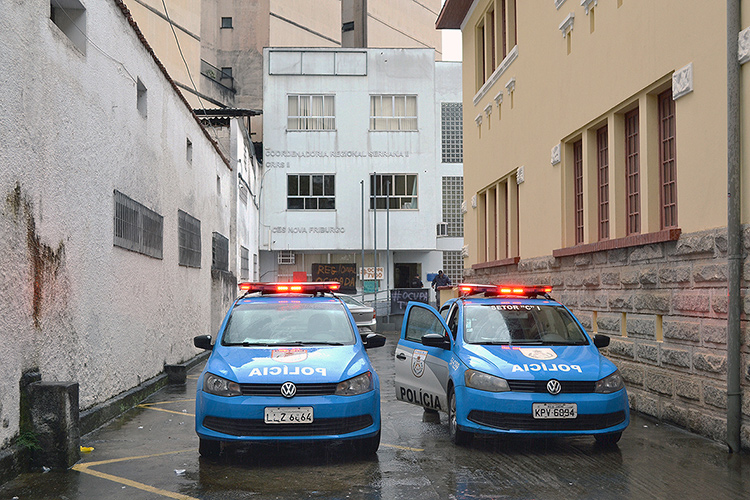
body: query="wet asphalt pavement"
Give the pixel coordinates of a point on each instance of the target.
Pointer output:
(151, 452)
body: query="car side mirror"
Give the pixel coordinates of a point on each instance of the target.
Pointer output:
(203, 342)
(436, 340)
(601, 341)
(371, 340)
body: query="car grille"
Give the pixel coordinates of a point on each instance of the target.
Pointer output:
(257, 427)
(275, 389)
(524, 422)
(568, 386)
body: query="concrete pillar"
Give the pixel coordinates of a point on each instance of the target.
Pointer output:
(53, 408)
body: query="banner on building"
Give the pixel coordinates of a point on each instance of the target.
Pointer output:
(346, 274)
(400, 297)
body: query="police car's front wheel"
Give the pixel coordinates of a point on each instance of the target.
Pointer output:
(457, 435)
(367, 446)
(209, 448)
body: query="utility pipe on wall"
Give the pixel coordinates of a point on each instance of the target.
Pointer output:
(734, 229)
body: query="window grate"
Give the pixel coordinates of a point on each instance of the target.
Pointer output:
(219, 252)
(286, 257)
(244, 263)
(137, 228)
(188, 240)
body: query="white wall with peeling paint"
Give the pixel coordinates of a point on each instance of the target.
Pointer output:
(104, 317)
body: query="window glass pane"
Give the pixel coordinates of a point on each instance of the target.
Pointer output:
(329, 187)
(411, 184)
(326, 203)
(400, 187)
(295, 203)
(292, 185)
(317, 185)
(293, 105)
(387, 106)
(304, 185)
(311, 203)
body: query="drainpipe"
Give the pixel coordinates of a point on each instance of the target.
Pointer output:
(734, 229)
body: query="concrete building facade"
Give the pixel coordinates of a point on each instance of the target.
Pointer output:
(340, 126)
(120, 215)
(596, 161)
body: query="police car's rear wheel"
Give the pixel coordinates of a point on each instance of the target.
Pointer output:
(209, 448)
(367, 446)
(458, 436)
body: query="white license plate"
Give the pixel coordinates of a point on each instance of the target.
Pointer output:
(554, 410)
(288, 415)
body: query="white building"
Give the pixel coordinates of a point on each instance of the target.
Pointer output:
(121, 223)
(340, 125)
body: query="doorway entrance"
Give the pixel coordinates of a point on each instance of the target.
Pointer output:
(402, 273)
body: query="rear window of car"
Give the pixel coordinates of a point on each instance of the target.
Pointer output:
(288, 323)
(521, 324)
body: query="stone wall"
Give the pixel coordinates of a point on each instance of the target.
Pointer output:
(665, 307)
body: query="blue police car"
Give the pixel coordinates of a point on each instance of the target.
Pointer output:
(288, 365)
(509, 360)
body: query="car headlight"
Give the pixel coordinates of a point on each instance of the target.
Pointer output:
(357, 385)
(612, 383)
(485, 381)
(213, 384)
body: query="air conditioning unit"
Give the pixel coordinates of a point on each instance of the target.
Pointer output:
(286, 257)
(442, 229)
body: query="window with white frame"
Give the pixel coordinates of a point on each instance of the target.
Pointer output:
(395, 191)
(393, 112)
(311, 192)
(311, 112)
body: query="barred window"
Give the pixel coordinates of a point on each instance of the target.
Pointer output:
(244, 263)
(398, 190)
(188, 240)
(632, 173)
(667, 163)
(137, 228)
(578, 189)
(220, 252)
(393, 112)
(311, 112)
(452, 132)
(602, 166)
(453, 195)
(311, 192)
(453, 265)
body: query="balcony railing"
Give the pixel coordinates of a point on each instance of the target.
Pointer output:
(217, 75)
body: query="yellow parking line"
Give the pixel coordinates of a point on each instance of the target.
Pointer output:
(401, 447)
(166, 411)
(85, 468)
(169, 402)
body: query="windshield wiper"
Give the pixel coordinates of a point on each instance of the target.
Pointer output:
(323, 343)
(248, 344)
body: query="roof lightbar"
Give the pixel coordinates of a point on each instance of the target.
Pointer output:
(293, 287)
(512, 290)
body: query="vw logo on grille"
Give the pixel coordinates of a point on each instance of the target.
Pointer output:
(553, 386)
(288, 389)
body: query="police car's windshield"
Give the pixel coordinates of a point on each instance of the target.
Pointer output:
(521, 324)
(288, 323)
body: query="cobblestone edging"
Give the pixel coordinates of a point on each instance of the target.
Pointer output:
(665, 307)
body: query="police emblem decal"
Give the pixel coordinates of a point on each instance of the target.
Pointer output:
(540, 353)
(417, 362)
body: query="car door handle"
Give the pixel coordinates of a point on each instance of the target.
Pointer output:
(401, 356)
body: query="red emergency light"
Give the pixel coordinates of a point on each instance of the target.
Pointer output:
(505, 290)
(294, 287)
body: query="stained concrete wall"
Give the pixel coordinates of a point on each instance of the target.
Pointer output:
(75, 306)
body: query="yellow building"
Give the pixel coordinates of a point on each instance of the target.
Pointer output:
(595, 159)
